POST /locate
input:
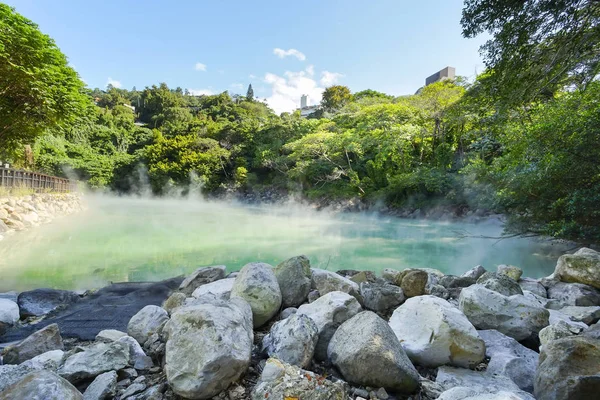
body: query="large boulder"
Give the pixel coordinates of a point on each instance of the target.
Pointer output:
(41, 385)
(533, 286)
(10, 374)
(515, 316)
(280, 381)
(327, 281)
(414, 283)
(257, 284)
(109, 335)
(49, 360)
(292, 340)
(500, 283)
(511, 271)
(593, 331)
(44, 340)
(220, 289)
(558, 330)
(9, 314)
(381, 297)
(509, 357)
(209, 346)
(95, 360)
(581, 267)
(587, 315)
(433, 332)
(475, 272)
(38, 302)
(294, 277)
(367, 352)
(453, 282)
(569, 368)
(468, 393)
(104, 387)
(449, 377)
(200, 277)
(574, 294)
(146, 322)
(328, 313)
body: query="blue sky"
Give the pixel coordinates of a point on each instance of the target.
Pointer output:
(283, 48)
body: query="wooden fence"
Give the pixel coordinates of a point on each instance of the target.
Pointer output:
(13, 178)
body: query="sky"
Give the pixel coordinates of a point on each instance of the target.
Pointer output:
(284, 49)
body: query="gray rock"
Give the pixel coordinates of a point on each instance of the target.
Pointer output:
(103, 387)
(509, 357)
(574, 294)
(381, 297)
(220, 289)
(41, 385)
(568, 369)
(587, 315)
(451, 281)
(392, 276)
(294, 277)
(533, 286)
(9, 314)
(593, 331)
(327, 281)
(40, 342)
(12, 296)
(95, 360)
(175, 300)
(133, 389)
(143, 363)
(511, 271)
(258, 285)
(475, 272)
(557, 316)
(313, 295)
(414, 283)
(328, 312)
(467, 393)
(200, 277)
(135, 349)
(288, 312)
(38, 302)
(439, 291)
(109, 335)
(450, 377)
(152, 393)
(49, 360)
(10, 374)
(581, 267)
(283, 381)
(515, 316)
(556, 331)
(147, 321)
(292, 340)
(209, 347)
(366, 351)
(499, 283)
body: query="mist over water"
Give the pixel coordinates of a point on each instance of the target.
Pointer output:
(131, 239)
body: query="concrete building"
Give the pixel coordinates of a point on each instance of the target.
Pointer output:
(446, 73)
(305, 109)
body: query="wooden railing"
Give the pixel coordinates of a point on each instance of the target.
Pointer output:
(14, 178)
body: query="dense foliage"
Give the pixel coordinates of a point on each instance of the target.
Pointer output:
(532, 154)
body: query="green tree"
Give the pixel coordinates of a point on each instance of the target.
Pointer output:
(250, 93)
(38, 89)
(335, 97)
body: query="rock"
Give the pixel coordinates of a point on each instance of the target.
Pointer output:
(258, 285)
(511, 271)
(414, 282)
(593, 331)
(38, 302)
(133, 389)
(135, 350)
(220, 289)
(533, 286)
(556, 331)
(143, 363)
(327, 281)
(48, 360)
(40, 342)
(581, 267)
(41, 385)
(12, 296)
(9, 314)
(200, 277)
(280, 381)
(175, 300)
(103, 387)
(557, 316)
(363, 276)
(449, 377)
(568, 369)
(467, 393)
(153, 393)
(451, 281)
(438, 291)
(574, 294)
(434, 333)
(475, 272)
(328, 312)
(128, 373)
(209, 347)
(587, 315)
(393, 276)
(499, 283)
(313, 295)
(95, 360)
(109, 335)
(509, 357)
(515, 316)
(381, 297)
(10, 374)
(366, 351)
(292, 340)
(147, 321)
(294, 278)
(288, 312)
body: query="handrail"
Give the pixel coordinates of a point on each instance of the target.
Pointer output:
(14, 178)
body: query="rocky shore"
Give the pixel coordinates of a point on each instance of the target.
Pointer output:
(20, 213)
(295, 332)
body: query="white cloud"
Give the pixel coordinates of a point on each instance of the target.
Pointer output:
(286, 90)
(114, 83)
(200, 67)
(291, 52)
(310, 70)
(237, 86)
(200, 92)
(252, 76)
(330, 78)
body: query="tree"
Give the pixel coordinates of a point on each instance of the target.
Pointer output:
(38, 89)
(537, 46)
(335, 97)
(250, 93)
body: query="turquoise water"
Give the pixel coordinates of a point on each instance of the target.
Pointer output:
(124, 239)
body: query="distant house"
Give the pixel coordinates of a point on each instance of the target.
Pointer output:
(305, 109)
(446, 73)
(132, 108)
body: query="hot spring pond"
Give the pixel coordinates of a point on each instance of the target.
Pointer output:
(122, 239)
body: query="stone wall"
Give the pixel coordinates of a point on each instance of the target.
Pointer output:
(19, 213)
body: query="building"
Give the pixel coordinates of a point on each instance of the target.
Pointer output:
(305, 109)
(446, 73)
